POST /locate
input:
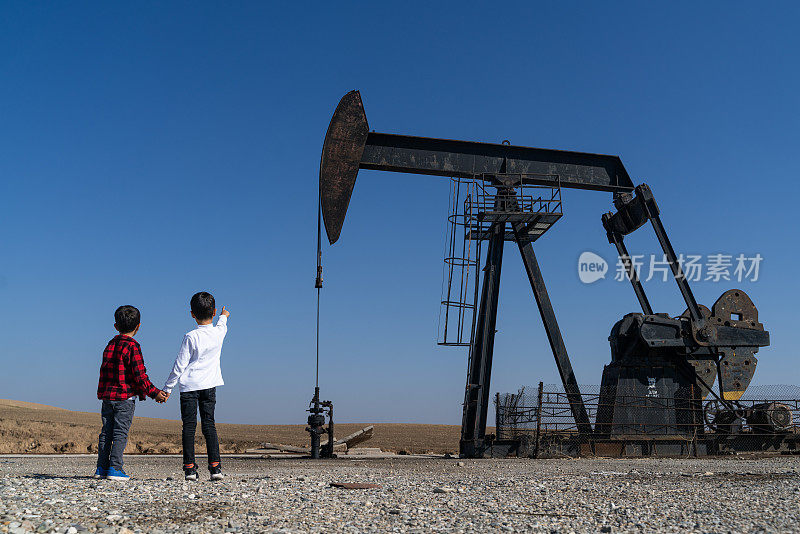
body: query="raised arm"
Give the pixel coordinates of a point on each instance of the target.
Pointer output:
(222, 322)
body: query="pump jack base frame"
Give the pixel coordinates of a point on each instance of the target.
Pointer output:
(474, 441)
(559, 445)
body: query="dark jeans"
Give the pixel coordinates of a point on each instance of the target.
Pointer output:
(207, 400)
(117, 418)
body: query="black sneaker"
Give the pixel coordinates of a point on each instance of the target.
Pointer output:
(216, 472)
(190, 473)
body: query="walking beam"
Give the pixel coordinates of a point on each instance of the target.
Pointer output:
(350, 146)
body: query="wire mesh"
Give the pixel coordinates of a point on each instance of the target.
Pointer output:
(763, 414)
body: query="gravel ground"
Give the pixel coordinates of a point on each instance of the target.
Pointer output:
(54, 494)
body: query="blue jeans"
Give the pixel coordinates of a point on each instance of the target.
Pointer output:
(206, 400)
(117, 418)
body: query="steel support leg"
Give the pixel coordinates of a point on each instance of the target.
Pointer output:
(479, 373)
(633, 276)
(680, 278)
(553, 331)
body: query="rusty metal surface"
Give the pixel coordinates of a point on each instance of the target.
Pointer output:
(350, 146)
(450, 157)
(341, 155)
(703, 360)
(737, 364)
(721, 341)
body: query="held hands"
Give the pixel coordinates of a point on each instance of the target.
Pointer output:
(224, 312)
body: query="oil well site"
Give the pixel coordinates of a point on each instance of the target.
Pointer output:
(674, 386)
(555, 267)
(672, 436)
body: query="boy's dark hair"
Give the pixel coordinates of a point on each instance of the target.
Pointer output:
(203, 305)
(127, 318)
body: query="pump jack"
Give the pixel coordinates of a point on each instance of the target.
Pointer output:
(693, 345)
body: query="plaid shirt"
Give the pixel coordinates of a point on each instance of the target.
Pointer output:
(122, 373)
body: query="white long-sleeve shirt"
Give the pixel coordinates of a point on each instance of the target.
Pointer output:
(197, 365)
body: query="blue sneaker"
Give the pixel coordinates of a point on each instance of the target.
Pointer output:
(116, 474)
(100, 473)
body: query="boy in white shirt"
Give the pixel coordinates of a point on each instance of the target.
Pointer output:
(197, 371)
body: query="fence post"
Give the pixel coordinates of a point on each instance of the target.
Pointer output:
(538, 419)
(497, 415)
(694, 405)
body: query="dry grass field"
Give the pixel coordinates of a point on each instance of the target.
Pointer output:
(36, 428)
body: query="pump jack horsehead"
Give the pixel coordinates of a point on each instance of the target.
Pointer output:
(692, 349)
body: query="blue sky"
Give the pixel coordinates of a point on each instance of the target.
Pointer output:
(152, 150)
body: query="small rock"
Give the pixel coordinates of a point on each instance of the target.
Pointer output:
(443, 489)
(114, 518)
(73, 530)
(461, 464)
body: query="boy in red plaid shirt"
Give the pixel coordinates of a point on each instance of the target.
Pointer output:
(123, 377)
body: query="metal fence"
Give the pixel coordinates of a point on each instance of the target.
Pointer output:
(543, 413)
